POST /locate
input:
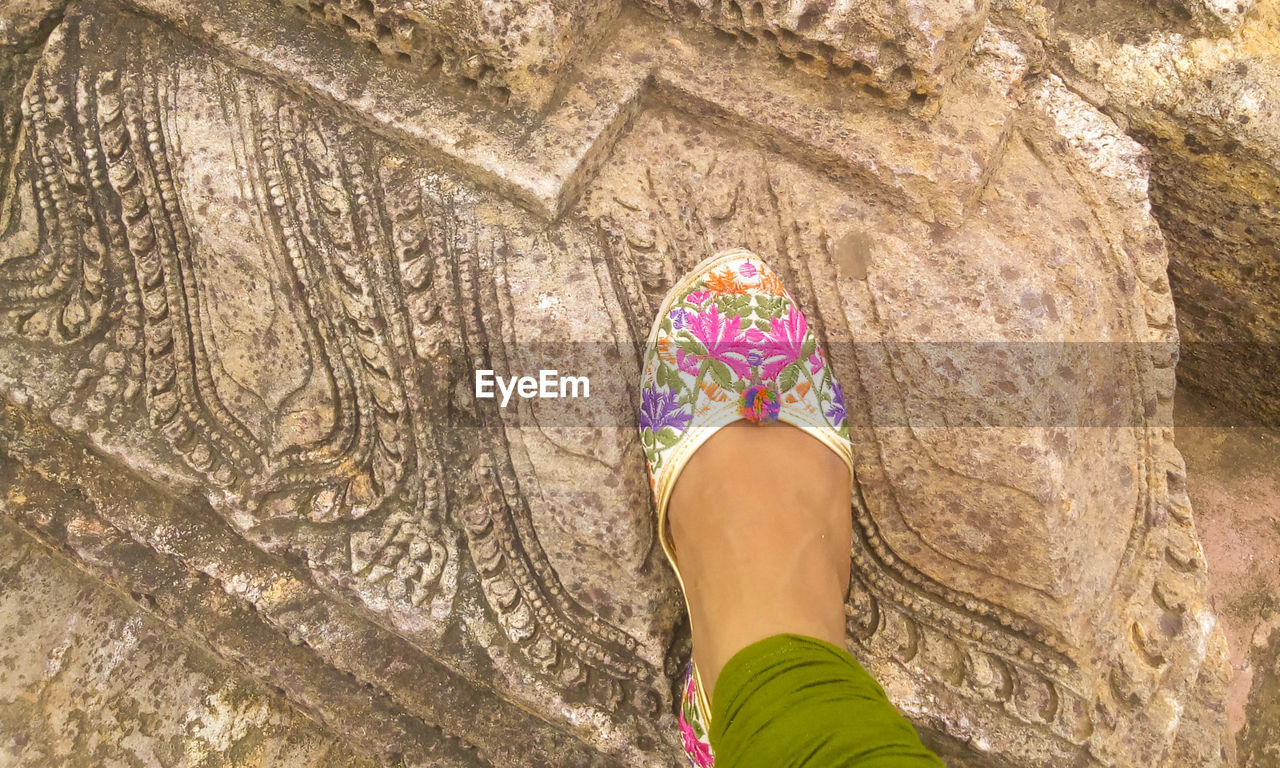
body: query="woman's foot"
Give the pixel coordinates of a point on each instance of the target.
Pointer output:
(761, 525)
(753, 517)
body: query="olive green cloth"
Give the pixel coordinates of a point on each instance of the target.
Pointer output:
(790, 701)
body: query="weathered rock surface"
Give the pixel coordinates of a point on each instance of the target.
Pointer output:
(510, 49)
(89, 679)
(1233, 484)
(24, 26)
(900, 48)
(248, 269)
(1260, 737)
(1208, 109)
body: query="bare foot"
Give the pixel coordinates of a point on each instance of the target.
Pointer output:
(761, 525)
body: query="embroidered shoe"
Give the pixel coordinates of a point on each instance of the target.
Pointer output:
(729, 344)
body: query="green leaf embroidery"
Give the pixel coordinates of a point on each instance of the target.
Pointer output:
(769, 306)
(789, 376)
(668, 377)
(668, 437)
(810, 346)
(720, 374)
(691, 346)
(733, 305)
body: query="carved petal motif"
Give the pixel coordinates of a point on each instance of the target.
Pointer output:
(290, 345)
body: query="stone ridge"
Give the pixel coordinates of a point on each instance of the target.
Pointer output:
(515, 51)
(904, 49)
(253, 609)
(89, 677)
(1209, 112)
(935, 166)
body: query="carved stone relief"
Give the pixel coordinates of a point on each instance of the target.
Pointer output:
(508, 49)
(257, 286)
(904, 50)
(1207, 106)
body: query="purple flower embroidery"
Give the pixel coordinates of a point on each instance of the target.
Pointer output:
(659, 409)
(679, 318)
(836, 412)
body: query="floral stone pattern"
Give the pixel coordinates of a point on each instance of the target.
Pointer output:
(250, 260)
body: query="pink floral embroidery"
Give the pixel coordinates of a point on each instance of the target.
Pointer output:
(816, 362)
(787, 334)
(741, 358)
(717, 332)
(697, 750)
(688, 363)
(698, 298)
(766, 360)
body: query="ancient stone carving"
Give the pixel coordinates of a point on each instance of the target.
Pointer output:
(510, 50)
(270, 347)
(906, 50)
(1000, 645)
(269, 302)
(1208, 108)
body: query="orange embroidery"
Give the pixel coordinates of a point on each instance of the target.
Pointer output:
(770, 285)
(724, 282)
(796, 393)
(667, 350)
(714, 391)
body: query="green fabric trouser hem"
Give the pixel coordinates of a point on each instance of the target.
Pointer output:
(790, 701)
